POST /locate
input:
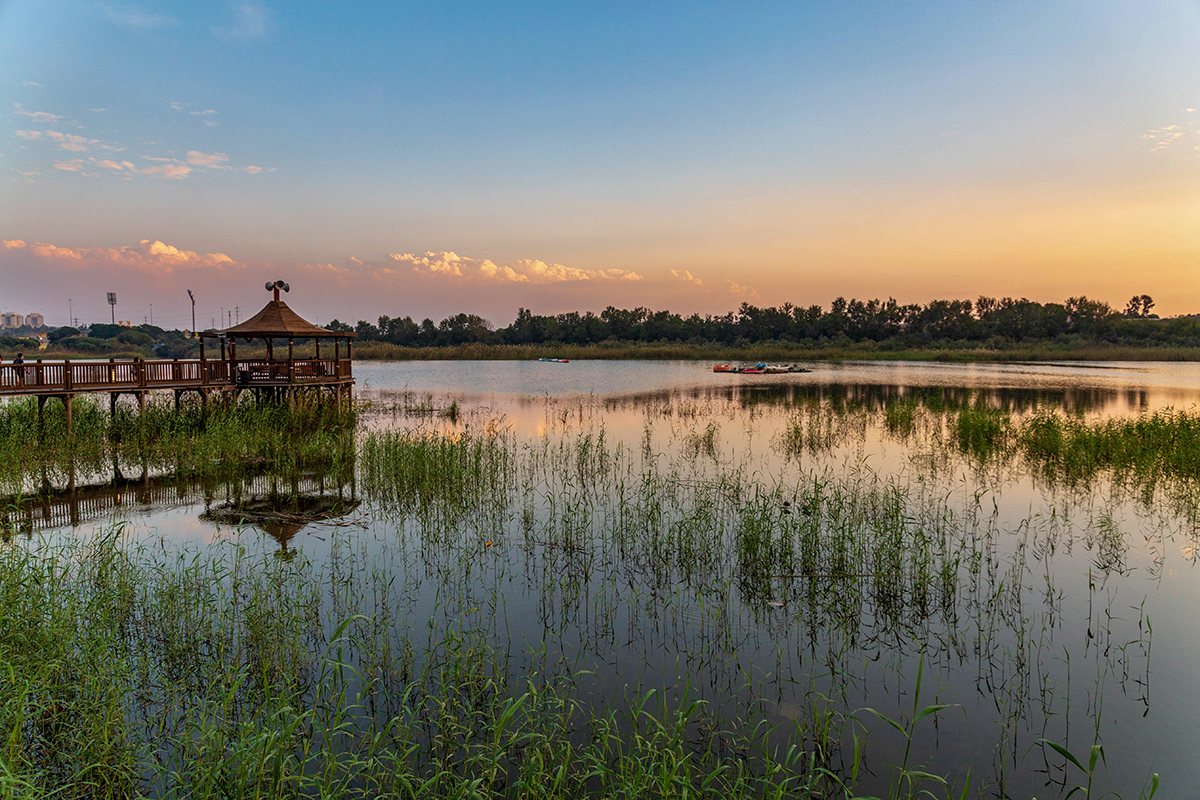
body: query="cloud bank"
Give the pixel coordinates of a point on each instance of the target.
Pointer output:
(530, 271)
(152, 256)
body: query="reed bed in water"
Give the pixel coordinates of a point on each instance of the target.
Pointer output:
(191, 441)
(392, 666)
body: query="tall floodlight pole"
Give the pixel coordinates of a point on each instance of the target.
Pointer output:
(70, 312)
(193, 299)
(112, 305)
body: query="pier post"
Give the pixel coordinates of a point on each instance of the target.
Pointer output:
(67, 406)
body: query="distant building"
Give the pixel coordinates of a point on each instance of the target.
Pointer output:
(10, 320)
(35, 320)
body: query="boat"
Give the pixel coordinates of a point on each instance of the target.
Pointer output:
(556, 360)
(761, 368)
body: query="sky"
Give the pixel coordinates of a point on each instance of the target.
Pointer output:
(424, 159)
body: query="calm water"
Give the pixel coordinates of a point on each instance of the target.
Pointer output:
(1080, 618)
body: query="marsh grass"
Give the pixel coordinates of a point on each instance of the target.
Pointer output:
(189, 442)
(391, 665)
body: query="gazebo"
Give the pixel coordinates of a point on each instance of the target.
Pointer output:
(275, 376)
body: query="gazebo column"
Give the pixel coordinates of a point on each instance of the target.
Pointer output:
(291, 359)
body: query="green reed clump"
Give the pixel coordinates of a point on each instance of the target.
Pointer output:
(191, 441)
(1162, 444)
(437, 474)
(982, 431)
(130, 672)
(64, 681)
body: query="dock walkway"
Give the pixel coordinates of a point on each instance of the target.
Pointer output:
(65, 379)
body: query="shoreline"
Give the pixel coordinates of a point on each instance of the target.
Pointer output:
(774, 352)
(770, 352)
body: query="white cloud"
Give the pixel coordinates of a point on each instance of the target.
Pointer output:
(132, 17)
(177, 171)
(1176, 134)
(29, 134)
(34, 84)
(38, 116)
(74, 165)
(250, 21)
(684, 275)
(198, 159)
(448, 264)
(737, 289)
(148, 254)
(69, 141)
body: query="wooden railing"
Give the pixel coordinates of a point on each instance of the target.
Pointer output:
(93, 376)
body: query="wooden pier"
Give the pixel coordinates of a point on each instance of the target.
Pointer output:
(276, 378)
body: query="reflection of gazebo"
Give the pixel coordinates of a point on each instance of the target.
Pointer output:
(277, 376)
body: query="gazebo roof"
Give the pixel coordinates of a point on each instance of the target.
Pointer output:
(276, 320)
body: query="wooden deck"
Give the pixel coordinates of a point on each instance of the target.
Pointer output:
(66, 378)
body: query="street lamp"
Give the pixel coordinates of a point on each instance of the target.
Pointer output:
(193, 299)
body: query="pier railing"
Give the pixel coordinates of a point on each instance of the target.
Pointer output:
(69, 377)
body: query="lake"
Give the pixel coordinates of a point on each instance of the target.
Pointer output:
(789, 558)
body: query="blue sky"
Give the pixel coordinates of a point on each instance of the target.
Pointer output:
(429, 158)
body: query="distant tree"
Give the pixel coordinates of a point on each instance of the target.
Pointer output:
(1139, 306)
(101, 331)
(58, 334)
(1089, 317)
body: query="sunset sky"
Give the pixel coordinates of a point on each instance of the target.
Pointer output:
(427, 158)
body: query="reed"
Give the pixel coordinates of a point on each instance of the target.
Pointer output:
(452, 646)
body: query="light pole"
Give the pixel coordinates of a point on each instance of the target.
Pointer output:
(193, 299)
(112, 305)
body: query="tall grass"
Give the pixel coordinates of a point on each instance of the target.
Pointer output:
(192, 441)
(561, 615)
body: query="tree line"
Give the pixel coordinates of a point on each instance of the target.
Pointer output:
(986, 320)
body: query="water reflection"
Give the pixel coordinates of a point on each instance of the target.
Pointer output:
(787, 550)
(278, 505)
